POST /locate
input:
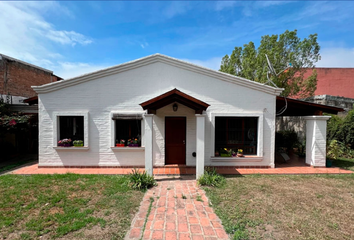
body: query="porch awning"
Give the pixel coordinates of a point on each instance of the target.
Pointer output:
(295, 107)
(124, 116)
(172, 96)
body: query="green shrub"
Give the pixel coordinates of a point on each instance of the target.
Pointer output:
(211, 178)
(335, 149)
(141, 181)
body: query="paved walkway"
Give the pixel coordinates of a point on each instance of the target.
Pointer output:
(180, 210)
(181, 170)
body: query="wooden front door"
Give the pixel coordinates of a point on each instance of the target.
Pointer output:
(175, 140)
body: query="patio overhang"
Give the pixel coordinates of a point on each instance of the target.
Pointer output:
(172, 96)
(295, 107)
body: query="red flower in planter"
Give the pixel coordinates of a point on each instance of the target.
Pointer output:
(12, 122)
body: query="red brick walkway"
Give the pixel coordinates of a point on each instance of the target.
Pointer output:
(180, 211)
(180, 170)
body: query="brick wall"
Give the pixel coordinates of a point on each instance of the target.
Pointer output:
(20, 77)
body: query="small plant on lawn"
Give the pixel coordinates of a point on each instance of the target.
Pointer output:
(199, 198)
(211, 178)
(141, 181)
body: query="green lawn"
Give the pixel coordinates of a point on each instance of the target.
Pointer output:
(345, 163)
(286, 207)
(66, 206)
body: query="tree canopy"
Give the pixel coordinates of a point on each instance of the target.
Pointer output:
(251, 63)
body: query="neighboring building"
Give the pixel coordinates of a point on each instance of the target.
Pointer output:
(16, 79)
(334, 87)
(179, 113)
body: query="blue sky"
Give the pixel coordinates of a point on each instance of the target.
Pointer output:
(72, 38)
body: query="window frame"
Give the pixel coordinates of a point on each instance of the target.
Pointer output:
(56, 126)
(260, 117)
(113, 128)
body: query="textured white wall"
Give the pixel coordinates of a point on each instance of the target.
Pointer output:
(124, 91)
(316, 129)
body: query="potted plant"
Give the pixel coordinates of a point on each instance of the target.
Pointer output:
(133, 142)
(121, 143)
(78, 143)
(233, 153)
(224, 152)
(66, 142)
(239, 152)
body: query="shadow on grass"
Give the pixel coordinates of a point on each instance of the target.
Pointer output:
(344, 163)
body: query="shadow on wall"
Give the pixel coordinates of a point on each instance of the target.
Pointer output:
(298, 124)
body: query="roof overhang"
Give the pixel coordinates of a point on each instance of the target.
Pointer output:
(302, 108)
(54, 86)
(172, 96)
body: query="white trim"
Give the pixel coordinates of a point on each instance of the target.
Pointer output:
(153, 59)
(58, 114)
(113, 132)
(243, 114)
(69, 149)
(128, 149)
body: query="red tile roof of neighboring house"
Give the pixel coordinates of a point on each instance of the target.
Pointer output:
(334, 81)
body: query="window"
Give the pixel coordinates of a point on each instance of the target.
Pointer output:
(128, 129)
(237, 133)
(71, 127)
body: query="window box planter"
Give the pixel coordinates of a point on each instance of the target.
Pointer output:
(225, 155)
(120, 145)
(133, 145)
(65, 145)
(79, 145)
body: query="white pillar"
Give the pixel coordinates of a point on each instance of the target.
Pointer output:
(148, 143)
(200, 144)
(316, 131)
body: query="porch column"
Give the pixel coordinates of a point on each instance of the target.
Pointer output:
(148, 143)
(200, 144)
(316, 129)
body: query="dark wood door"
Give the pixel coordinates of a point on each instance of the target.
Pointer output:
(175, 140)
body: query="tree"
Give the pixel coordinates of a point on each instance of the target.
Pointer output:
(249, 62)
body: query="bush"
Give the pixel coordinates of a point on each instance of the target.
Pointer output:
(342, 129)
(211, 178)
(141, 181)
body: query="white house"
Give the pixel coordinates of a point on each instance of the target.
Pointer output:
(180, 113)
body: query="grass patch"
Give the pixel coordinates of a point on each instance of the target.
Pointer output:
(345, 163)
(286, 207)
(66, 206)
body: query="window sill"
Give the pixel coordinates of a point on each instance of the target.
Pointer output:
(237, 159)
(71, 148)
(128, 149)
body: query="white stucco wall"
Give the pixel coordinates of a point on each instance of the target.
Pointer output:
(124, 92)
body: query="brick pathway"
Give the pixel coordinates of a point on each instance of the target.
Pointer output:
(173, 216)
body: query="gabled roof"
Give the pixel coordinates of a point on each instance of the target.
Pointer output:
(3, 56)
(153, 59)
(172, 96)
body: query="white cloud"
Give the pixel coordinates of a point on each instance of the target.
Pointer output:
(27, 35)
(336, 57)
(74, 69)
(212, 63)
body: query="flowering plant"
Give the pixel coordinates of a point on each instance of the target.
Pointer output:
(133, 141)
(122, 141)
(239, 151)
(226, 151)
(65, 141)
